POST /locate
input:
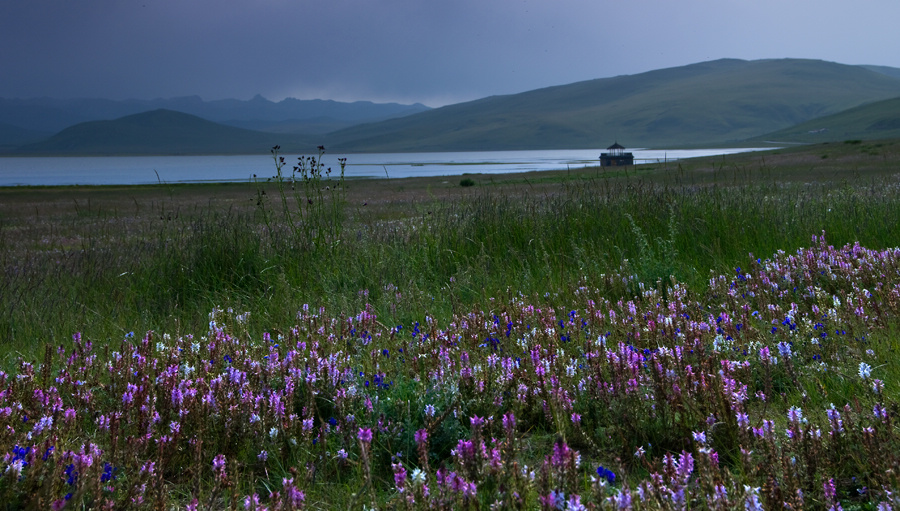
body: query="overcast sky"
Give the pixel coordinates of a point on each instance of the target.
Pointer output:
(430, 51)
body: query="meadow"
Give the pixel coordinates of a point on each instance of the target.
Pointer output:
(713, 334)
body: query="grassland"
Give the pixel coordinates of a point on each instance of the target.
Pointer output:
(877, 120)
(117, 259)
(599, 326)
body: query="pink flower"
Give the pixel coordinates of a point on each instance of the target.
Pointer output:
(219, 466)
(509, 421)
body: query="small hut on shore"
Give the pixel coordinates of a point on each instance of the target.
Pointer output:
(616, 156)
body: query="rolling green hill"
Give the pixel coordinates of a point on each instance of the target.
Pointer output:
(870, 121)
(720, 102)
(163, 132)
(890, 71)
(711, 102)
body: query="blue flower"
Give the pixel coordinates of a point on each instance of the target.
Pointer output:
(607, 474)
(107, 473)
(73, 476)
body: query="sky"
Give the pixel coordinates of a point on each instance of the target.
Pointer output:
(435, 52)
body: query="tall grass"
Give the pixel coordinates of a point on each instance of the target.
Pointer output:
(304, 244)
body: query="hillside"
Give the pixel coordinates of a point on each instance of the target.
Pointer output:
(162, 132)
(890, 71)
(711, 102)
(871, 121)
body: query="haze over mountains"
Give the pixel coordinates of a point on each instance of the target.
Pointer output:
(710, 103)
(30, 120)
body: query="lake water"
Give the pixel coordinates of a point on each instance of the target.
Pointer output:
(132, 170)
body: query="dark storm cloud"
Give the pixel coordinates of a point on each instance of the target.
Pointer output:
(405, 50)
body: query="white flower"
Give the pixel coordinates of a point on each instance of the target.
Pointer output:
(16, 467)
(418, 476)
(865, 370)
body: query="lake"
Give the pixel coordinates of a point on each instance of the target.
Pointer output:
(134, 170)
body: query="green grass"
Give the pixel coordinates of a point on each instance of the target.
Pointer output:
(118, 264)
(872, 121)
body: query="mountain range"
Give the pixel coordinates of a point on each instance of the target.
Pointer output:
(711, 103)
(39, 118)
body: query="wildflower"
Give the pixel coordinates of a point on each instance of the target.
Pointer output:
(622, 500)
(16, 467)
(45, 423)
(795, 414)
(421, 436)
(509, 421)
(699, 437)
(721, 494)
(399, 475)
(251, 502)
(418, 476)
(576, 419)
(865, 370)
(607, 474)
(365, 435)
(743, 420)
(784, 349)
(219, 466)
(574, 503)
(555, 499)
(107, 473)
(830, 491)
(429, 410)
(262, 456)
(751, 500)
